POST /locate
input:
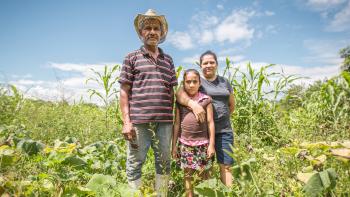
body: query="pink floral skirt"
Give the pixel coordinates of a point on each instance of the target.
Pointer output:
(194, 157)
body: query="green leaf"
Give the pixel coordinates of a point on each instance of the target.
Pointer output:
(326, 182)
(212, 187)
(102, 185)
(333, 177)
(305, 177)
(7, 156)
(98, 181)
(30, 147)
(236, 171)
(346, 76)
(74, 161)
(319, 182)
(125, 190)
(314, 186)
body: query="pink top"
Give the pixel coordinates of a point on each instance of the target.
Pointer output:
(194, 133)
(193, 142)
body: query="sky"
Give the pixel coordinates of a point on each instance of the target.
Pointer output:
(48, 48)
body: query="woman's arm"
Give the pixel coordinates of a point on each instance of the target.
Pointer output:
(211, 129)
(176, 132)
(232, 103)
(183, 99)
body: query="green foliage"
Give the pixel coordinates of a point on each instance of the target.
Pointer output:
(345, 53)
(320, 182)
(212, 187)
(61, 149)
(11, 102)
(102, 184)
(107, 81)
(30, 146)
(255, 109)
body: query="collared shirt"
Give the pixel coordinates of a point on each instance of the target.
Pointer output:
(151, 82)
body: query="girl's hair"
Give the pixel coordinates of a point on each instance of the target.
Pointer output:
(193, 71)
(209, 52)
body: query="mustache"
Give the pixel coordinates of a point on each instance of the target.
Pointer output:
(152, 36)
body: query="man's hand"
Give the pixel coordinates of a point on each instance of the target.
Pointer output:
(198, 111)
(128, 131)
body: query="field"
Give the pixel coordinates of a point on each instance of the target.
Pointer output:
(290, 140)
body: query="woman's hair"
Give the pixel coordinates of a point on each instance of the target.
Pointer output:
(209, 52)
(193, 71)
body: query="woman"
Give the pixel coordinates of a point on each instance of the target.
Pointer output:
(223, 102)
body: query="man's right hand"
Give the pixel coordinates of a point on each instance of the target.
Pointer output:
(128, 131)
(198, 111)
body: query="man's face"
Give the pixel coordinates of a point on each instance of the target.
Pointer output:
(151, 32)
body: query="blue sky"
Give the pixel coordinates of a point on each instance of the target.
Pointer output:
(47, 47)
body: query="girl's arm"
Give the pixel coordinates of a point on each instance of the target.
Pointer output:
(184, 99)
(211, 130)
(232, 103)
(176, 131)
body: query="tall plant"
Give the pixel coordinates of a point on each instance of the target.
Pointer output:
(106, 80)
(255, 114)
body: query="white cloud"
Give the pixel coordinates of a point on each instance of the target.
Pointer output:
(336, 13)
(341, 20)
(309, 74)
(321, 5)
(221, 58)
(68, 88)
(26, 82)
(235, 27)
(220, 7)
(233, 59)
(207, 37)
(181, 40)
(324, 52)
(191, 60)
(26, 76)
(271, 29)
(269, 13)
(206, 28)
(203, 20)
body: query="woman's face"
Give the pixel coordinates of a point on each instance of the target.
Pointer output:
(209, 66)
(191, 84)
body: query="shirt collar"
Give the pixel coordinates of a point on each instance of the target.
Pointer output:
(145, 52)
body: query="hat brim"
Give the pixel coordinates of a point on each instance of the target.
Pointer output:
(161, 19)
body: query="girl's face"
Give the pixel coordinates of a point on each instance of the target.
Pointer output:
(191, 84)
(209, 66)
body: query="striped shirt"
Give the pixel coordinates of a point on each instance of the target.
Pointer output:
(151, 84)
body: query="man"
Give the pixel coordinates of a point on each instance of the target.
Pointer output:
(146, 100)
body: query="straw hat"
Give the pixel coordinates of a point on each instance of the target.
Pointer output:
(151, 14)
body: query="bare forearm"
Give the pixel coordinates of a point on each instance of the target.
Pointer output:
(211, 124)
(182, 97)
(176, 129)
(124, 104)
(175, 136)
(232, 103)
(211, 133)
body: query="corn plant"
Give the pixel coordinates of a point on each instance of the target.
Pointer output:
(255, 111)
(329, 103)
(107, 80)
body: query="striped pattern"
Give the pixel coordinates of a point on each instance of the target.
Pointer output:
(151, 84)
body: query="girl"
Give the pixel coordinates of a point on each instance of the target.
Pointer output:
(196, 141)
